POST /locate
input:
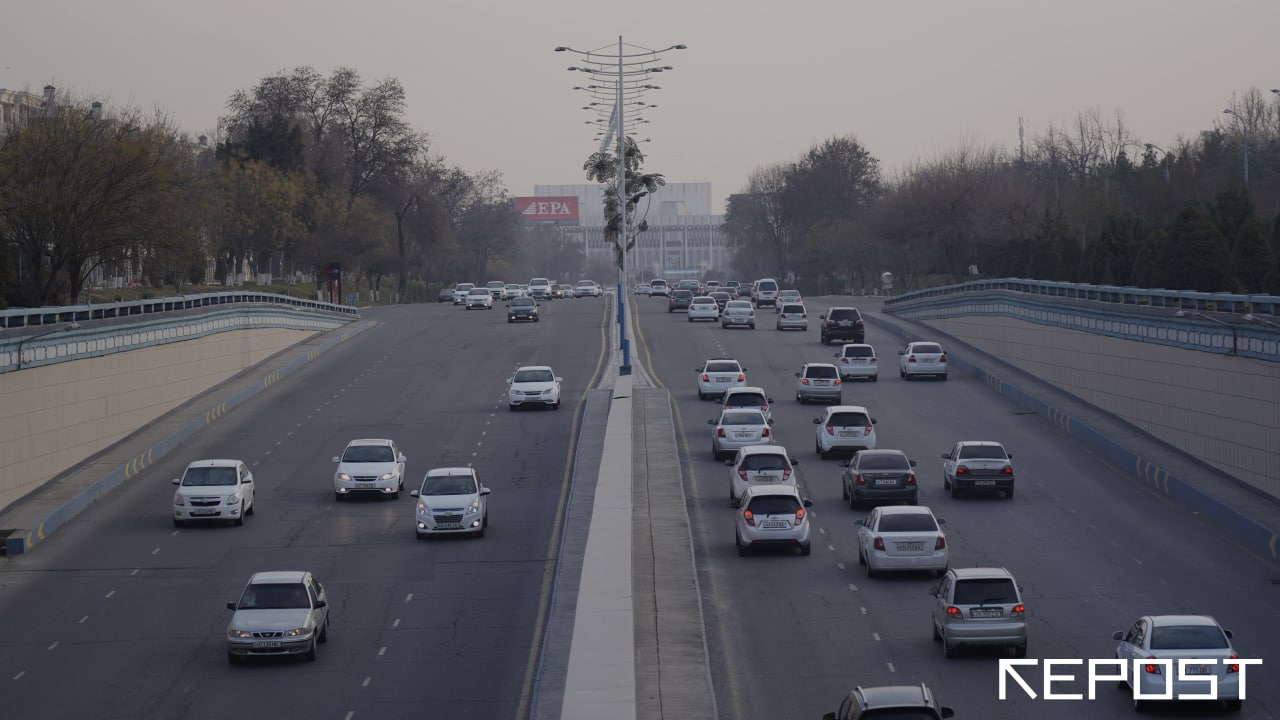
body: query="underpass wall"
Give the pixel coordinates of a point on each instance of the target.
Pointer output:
(56, 416)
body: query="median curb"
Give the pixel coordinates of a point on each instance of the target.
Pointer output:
(1250, 533)
(24, 539)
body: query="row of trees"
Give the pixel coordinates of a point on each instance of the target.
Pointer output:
(305, 170)
(1089, 203)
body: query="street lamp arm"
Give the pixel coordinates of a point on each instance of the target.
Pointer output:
(1210, 318)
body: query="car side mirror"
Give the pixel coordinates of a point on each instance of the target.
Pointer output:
(769, 400)
(808, 502)
(797, 374)
(1117, 635)
(940, 521)
(321, 604)
(946, 456)
(402, 458)
(771, 421)
(508, 381)
(817, 421)
(728, 463)
(836, 355)
(795, 461)
(874, 421)
(947, 712)
(177, 481)
(912, 462)
(829, 716)
(1227, 633)
(559, 379)
(413, 493)
(337, 459)
(231, 606)
(1010, 456)
(485, 491)
(822, 317)
(933, 592)
(860, 521)
(846, 463)
(246, 479)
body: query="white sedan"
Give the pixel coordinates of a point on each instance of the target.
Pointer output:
(479, 297)
(703, 308)
(534, 385)
(922, 358)
(1169, 640)
(897, 537)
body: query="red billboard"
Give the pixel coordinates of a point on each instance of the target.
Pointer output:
(548, 209)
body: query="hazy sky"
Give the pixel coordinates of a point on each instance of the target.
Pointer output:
(761, 82)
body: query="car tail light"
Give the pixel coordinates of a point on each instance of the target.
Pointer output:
(844, 360)
(764, 432)
(858, 479)
(751, 519)
(867, 429)
(941, 544)
(786, 473)
(837, 382)
(705, 378)
(742, 377)
(954, 612)
(962, 470)
(911, 478)
(878, 544)
(911, 358)
(804, 381)
(804, 315)
(873, 359)
(942, 359)
(720, 432)
(830, 429)
(800, 517)
(1018, 610)
(742, 473)
(1006, 470)
(1152, 668)
(1234, 667)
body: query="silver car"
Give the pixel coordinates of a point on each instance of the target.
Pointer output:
(979, 607)
(279, 613)
(858, 360)
(818, 381)
(902, 538)
(738, 312)
(792, 316)
(772, 515)
(718, 375)
(977, 465)
(451, 501)
(922, 358)
(1181, 637)
(738, 428)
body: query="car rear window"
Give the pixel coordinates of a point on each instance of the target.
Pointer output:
(792, 309)
(887, 461)
(738, 305)
(914, 522)
(848, 419)
(987, 452)
(764, 461)
(683, 294)
(720, 296)
(984, 590)
(843, 314)
(820, 371)
(774, 505)
(1187, 637)
(742, 418)
(767, 286)
(746, 400)
(859, 351)
(718, 367)
(927, 349)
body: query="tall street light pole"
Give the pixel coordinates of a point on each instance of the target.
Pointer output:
(1244, 131)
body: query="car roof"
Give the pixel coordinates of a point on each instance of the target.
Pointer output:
(857, 345)
(751, 409)
(981, 572)
(764, 450)
(1169, 620)
(223, 462)
(745, 389)
(278, 576)
(446, 471)
(847, 408)
(971, 443)
(370, 441)
(811, 365)
(889, 696)
(905, 510)
(881, 452)
(534, 367)
(771, 489)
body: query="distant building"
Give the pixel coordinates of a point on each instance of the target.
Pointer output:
(683, 240)
(18, 106)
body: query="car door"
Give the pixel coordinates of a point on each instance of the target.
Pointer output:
(949, 461)
(1133, 645)
(867, 530)
(400, 460)
(319, 614)
(246, 485)
(941, 601)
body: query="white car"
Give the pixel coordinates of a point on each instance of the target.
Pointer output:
(772, 515)
(899, 537)
(844, 428)
(451, 501)
(738, 428)
(858, 360)
(760, 465)
(369, 466)
(479, 297)
(642, 290)
(279, 613)
(586, 288)
(460, 292)
(703, 308)
(534, 385)
(497, 289)
(1175, 638)
(748, 397)
(738, 312)
(512, 290)
(659, 288)
(719, 374)
(922, 358)
(977, 465)
(214, 490)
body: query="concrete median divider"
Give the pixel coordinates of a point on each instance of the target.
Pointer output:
(25, 539)
(1253, 535)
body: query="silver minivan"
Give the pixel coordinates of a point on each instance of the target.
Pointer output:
(979, 607)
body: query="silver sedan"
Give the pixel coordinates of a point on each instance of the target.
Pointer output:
(738, 428)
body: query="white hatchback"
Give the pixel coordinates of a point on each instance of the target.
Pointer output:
(214, 490)
(844, 428)
(534, 385)
(719, 374)
(858, 360)
(900, 537)
(451, 501)
(371, 467)
(760, 465)
(772, 516)
(922, 358)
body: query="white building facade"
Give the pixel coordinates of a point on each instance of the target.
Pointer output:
(684, 238)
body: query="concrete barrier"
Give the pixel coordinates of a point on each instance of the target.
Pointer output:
(21, 541)
(1247, 531)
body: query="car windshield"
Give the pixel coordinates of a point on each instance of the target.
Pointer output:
(1188, 637)
(719, 367)
(984, 452)
(977, 591)
(513, 287)
(887, 461)
(477, 291)
(927, 349)
(847, 419)
(764, 461)
(767, 287)
(586, 284)
(820, 371)
(448, 485)
(206, 476)
(521, 302)
(742, 418)
(911, 522)
(275, 597)
(774, 505)
(856, 351)
(899, 713)
(496, 285)
(368, 454)
(843, 314)
(745, 400)
(720, 296)
(464, 287)
(531, 376)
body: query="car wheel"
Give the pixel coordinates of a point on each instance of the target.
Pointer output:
(946, 483)
(799, 399)
(337, 496)
(178, 523)
(690, 319)
(955, 490)
(947, 650)
(1234, 705)
(853, 501)
(420, 536)
(825, 340)
(395, 494)
(1141, 706)
(512, 407)
(871, 572)
(944, 377)
(233, 658)
(805, 549)
(737, 541)
(240, 518)
(902, 374)
(914, 501)
(844, 491)
(1020, 650)
(253, 506)
(874, 378)
(510, 320)
(778, 326)
(862, 559)
(536, 319)
(937, 636)
(311, 653)
(480, 533)
(556, 406)
(752, 326)
(1008, 494)
(324, 630)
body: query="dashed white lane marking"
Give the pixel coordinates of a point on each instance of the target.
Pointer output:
(483, 433)
(396, 624)
(173, 534)
(408, 597)
(82, 620)
(890, 667)
(289, 434)
(822, 530)
(840, 565)
(350, 714)
(832, 548)
(267, 452)
(366, 682)
(255, 463)
(382, 651)
(862, 610)
(54, 645)
(474, 454)
(853, 588)
(156, 551)
(113, 592)
(135, 572)
(1137, 561)
(279, 443)
(19, 675)
(479, 444)
(300, 424)
(876, 636)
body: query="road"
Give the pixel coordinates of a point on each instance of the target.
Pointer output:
(123, 616)
(1092, 549)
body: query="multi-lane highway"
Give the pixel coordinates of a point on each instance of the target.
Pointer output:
(122, 616)
(790, 635)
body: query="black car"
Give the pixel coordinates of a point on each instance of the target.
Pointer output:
(522, 309)
(721, 298)
(680, 300)
(843, 323)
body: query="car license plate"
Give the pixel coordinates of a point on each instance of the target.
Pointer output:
(880, 482)
(776, 524)
(264, 644)
(724, 379)
(986, 612)
(821, 383)
(203, 513)
(984, 482)
(1198, 670)
(448, 526)
(845, 323)
(743, 435)
(848, 433)
(764, 478)
(910, 547)
(364, 484)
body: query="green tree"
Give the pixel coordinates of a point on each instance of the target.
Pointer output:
(1196, 256)
(1251, 258)
(1230, 211)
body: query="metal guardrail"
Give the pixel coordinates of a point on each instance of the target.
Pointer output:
(1268, 305)
(27, 317)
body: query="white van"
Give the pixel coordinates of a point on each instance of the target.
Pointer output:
(659, 287)
(765, 292)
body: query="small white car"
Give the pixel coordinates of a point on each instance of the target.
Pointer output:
(736, 429)
(497, 289)
(586, 288)
(922, 358)
(460, 292)
(451, 501)
(512, 290)
(901, 537)
(642, 290)
(792, 316)
(844, 428)
(534, 385)
(659, 288)
(719, 374)
(977, 465)
(703, 308)
(214, 490)
(479, 297)
(748, 397)
(858, 360)
(1175, 638)
(371, 467)
(772, 516)
(760, 465)
(279, 613)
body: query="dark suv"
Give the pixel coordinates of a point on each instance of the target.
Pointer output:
(892, 701)
(843, 323)
(679, 300)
